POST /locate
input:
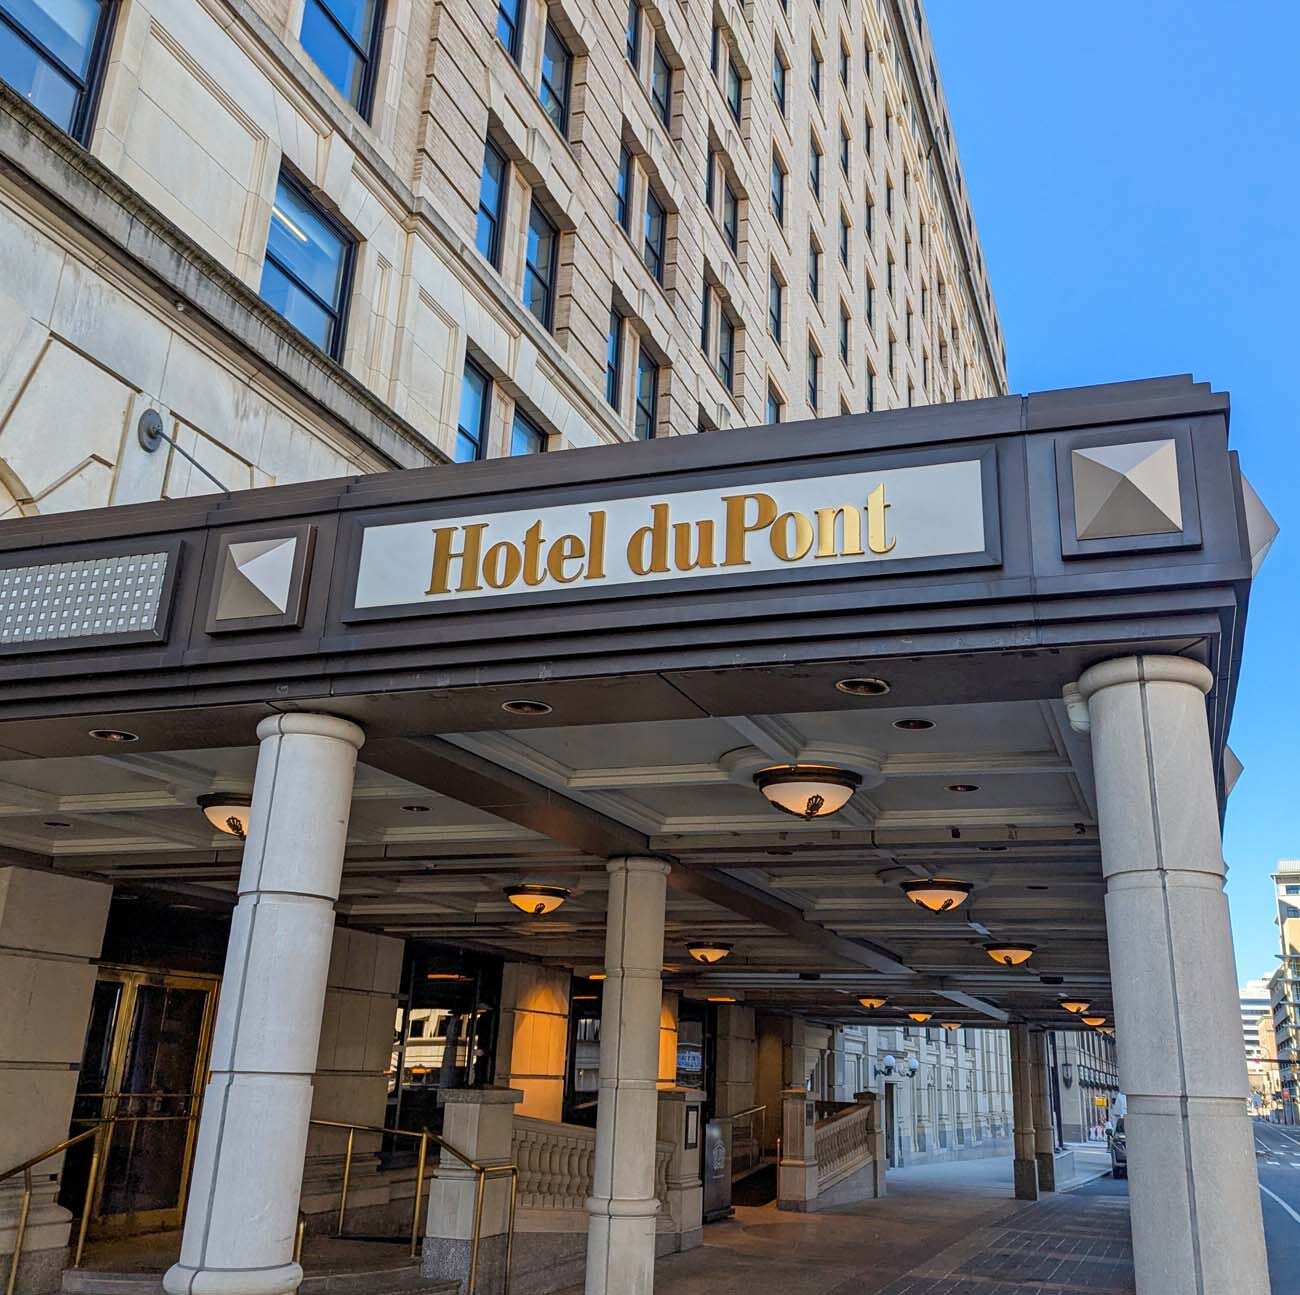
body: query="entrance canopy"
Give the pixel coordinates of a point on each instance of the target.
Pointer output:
(565, 657)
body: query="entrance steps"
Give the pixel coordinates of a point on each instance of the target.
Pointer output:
(331, 1266)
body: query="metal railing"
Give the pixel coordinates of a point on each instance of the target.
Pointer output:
(98, 1131)
(748, 1136)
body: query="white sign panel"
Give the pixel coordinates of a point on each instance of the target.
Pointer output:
(927, 511)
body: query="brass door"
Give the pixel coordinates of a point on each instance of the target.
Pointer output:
(146, 1055)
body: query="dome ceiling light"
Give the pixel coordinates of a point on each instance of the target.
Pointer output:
(951, 1025)
(1076, 1005)
(807, 790)
(873, 1001)
(1094, 1021)
(937, 894)
(1010, 954)
(536, 900)
(920, 1017)
(228, 812)
(708, 951)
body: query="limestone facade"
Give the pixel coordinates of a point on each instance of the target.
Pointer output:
(129, 270)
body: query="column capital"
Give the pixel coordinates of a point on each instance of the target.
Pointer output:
(1144, 669)
(638, 863)
(311, 724)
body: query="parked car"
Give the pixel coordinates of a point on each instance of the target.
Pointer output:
(1118, 1150)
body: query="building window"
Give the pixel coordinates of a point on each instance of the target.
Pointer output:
(614, 359)
(845, 145)
(889, 275)
(866, 133)
(726, 350)
(871, 390)
(704, 319)
(889, 198)
(925, 300)
(472, 423)
(844, 333)
(342, 36)
(814, 373)
(844, 240)
(557, 70)
(510, 26)
(623, 189)
(656, 233)
(775, 295)
(908, 325)
(814, 269)
(815, 73)
(730, 215)
(815, 166)
(778, 79)
(634, 33)
(778, 190)
(539, 266)
(893, 357)
(844, 65)
(735, 89)
(525, 436)
(308, 267)
(907, 254)
(491, 204)
(54, 54)
(871, 302)
(647, 395)
(775, 405)
(661, 84)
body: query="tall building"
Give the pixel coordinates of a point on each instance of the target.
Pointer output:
(463, 230)
(1284, 988)
(1254, 997)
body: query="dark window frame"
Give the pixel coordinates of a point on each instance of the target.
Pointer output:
(663, 105)
(734, 80)
(730, 231)
(369, 56)
(726, 349)
(90, 86)
(623, 189)
(775, 405)
(654, 253)
(780, 74)
(493, 254)
(776, 188)
(545, 85)
(531, 273)
(775, 304)
(646, 363)
(515, 47)
(485, 414)
(814, 376)
(531, 427)
(632, 33)
(614, 360)
(339, 313)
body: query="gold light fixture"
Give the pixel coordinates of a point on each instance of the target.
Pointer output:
(1094, 1021)
(937, 894)
(951, 1025)
(708, 951)
(873, 1000)
(807, 790)
(536, 900)
(920, 1017)
(1010, 954)
(1107, 1030)
(720, 998)
(597, 975)
(228, 812)
(1075, 1005)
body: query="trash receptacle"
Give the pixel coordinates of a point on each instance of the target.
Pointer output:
(716, 1170)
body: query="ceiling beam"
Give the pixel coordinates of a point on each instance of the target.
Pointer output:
(981, 1005)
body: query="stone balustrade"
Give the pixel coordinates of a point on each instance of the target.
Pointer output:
(843, 1143)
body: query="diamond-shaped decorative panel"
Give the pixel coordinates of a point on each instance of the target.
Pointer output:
(1122, 490)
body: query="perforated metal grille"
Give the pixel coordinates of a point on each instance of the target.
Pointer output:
(70, 600)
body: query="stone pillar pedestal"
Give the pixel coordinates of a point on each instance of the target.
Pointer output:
(1194, 1194)
(681, 1123)
(796, 1173)
(480, 1123)
(623, 1205)
(242, 1214)
(1022, 1106)
(50, 928)
(1044, 1143)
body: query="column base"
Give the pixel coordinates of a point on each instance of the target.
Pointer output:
(621, 1248)
(448, 1259)
(1026, 1179)
(279, 1279)
(1046, 1161)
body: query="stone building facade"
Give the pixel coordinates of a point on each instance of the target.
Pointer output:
(626, 220)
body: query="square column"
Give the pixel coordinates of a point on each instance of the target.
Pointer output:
(533, 1037)
(242, 1214)
(623, 1204)
(1194, 1192)
(1044, 1142)
(51, 926)
(1022, 1107)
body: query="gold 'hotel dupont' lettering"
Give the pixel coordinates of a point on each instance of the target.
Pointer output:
(463, 560)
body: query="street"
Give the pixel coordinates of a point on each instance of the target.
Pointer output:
(1277, 1153)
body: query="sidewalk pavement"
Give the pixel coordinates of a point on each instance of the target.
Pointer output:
(946, 1229)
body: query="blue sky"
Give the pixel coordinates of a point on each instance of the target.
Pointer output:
(1135, 174)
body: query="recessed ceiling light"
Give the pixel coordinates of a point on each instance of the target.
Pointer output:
(993, 849)
(455, 976)
(113, 735)
(525, 706)
(962, 787)
(55, 822)
(416, 809)
(913, 725)
(863, 686)
(597, 975)
(721, 998)
(1037, 887)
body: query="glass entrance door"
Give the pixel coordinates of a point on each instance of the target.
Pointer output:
(146, 1056)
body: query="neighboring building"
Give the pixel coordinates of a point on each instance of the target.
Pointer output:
(1087, 1082)
(1284, 988)
(1254, 1004)
(463, 231)
(1262, 1070)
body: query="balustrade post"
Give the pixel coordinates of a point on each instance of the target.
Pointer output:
(796, 1174)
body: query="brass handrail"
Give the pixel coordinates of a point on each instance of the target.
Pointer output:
(95, 1132)
(482, 1174)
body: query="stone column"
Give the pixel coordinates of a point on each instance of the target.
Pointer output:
(1194, 1193)
(479, 1123)
(51, 926)
(533, 1036)
(621, 1230)
(1044, 1143)
(243, 1204)
(1022, 1109)
(796, 1174)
